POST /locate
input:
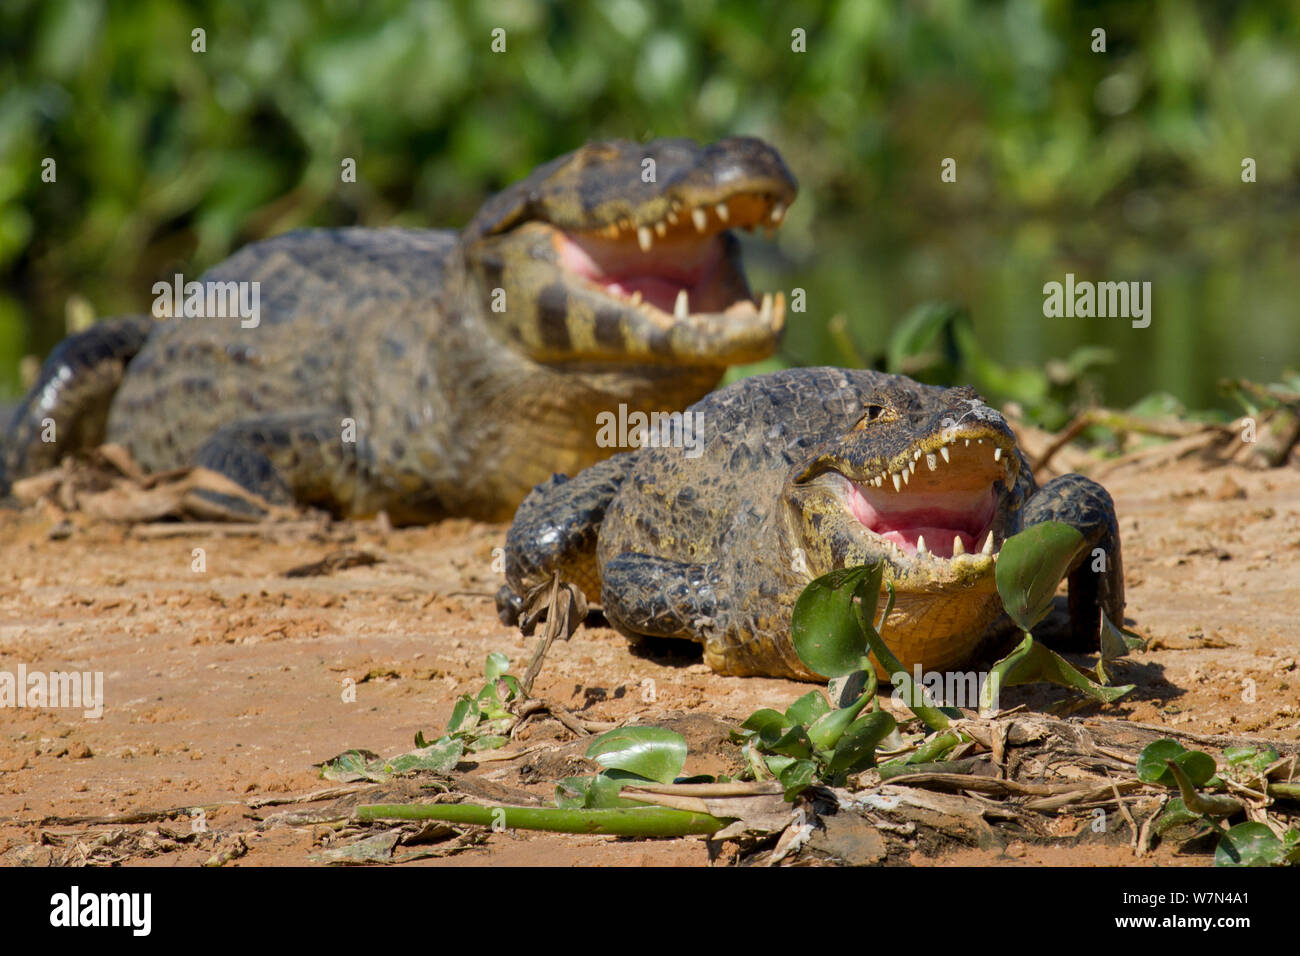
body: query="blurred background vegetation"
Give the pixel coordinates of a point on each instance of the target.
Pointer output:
(1117, 166)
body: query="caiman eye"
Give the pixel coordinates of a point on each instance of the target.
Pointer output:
(872, 412)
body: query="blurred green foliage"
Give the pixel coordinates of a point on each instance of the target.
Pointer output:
(1122, 165)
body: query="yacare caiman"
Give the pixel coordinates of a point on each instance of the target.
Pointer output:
(430, 373)
(799, 473)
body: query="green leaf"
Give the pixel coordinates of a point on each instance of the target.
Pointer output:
(1250, 844)
(767, 724)
(513, 689)
(1031, 662)
(1151, 766)
(1031, 566)
(807, 708)
(1247, 761)
(1119, 640)
(440, 756)
(497, 664)
(923, 329)
(349, 766)
(1291, 845)
(652, 752)
(828, 728)
(1152, 763)
(777, 763)
(598, 792)
(796, 777)
(825, 628)
(856, 749)
(1175, 814)
(464, 716)
(794, 743)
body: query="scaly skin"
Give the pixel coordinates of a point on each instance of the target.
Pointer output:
(717, 548)
(466, 367)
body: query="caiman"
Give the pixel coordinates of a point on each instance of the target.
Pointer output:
(430, 373)
(799, 473)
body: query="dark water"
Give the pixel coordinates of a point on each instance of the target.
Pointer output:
(1225, 294)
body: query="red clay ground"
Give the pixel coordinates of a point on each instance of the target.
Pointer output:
(223, 688)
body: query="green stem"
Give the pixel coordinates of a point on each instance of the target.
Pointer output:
(631, 821)
(1286, 791)
(935, 718)
(928, 752)
(900, 768)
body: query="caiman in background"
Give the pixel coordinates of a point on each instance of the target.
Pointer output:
(430, 373)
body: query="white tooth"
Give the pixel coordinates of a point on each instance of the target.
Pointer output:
(682, 307)
(880, 480)
(778, 213)
(917, 456)
(765, 313)
(979, 441)
(671, 217)
(636, 297)
(920, 544)
(997, 454)
(896, 485)
(957, 546)
(988, 545)
(723, 212)
(932, 461)
(944, 451)
(700, 218)
(644, 239)
(967, 442)
(661, 229)
(907, 475)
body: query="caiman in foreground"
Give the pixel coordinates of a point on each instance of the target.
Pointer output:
(430, 373)
(802, 472)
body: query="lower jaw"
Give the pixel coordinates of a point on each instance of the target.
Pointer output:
(939, 542)
(703, 297)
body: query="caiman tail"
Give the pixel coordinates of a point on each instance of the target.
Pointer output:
(67, 408)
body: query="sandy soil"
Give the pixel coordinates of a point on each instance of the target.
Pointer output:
(224, 687)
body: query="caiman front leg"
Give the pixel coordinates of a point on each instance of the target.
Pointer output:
(299, 456)
(650, 596)
(656, 597)
(1096, 579)
(555, 530)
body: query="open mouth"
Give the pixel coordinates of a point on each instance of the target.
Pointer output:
(938, 502)
(680, 265)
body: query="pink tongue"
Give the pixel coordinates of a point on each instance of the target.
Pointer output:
(904, 527)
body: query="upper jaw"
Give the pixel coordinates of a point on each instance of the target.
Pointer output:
(683, 265)
(699, 217)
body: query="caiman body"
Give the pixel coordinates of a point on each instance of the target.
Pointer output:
(799, 473)
(430, 373)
